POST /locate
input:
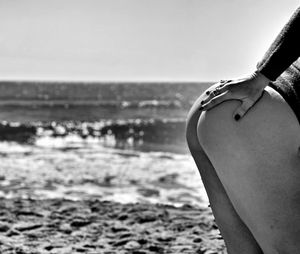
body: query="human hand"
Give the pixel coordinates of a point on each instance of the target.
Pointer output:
(248, 90)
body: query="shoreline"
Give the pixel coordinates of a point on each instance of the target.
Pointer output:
(93, 226)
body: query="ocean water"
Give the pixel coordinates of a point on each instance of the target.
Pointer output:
(120, 142)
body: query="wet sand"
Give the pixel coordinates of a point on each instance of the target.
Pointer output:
(64, 226)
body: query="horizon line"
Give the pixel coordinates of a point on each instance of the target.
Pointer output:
(47, 80)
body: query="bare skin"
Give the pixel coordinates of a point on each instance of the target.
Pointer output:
(229, 222)
(248, 90)
(251, 171)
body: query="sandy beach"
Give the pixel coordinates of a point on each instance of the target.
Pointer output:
(99, 200)
(63, 226)
(109, 178)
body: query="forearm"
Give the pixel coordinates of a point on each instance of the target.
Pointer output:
(283, 51)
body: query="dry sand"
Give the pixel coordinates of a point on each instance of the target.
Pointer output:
(63, 226)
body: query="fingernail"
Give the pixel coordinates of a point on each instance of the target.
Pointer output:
(207, 92)
(200, 108)
(202, 102)
(237, 117)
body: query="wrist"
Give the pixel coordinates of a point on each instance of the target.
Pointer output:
(261, 78)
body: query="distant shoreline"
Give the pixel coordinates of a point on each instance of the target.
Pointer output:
(66, 103)
(40, 80)
(99, 82)
(94, 93)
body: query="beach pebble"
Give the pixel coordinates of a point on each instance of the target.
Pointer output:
(125, 235)
(155, 248)
(66, 228)
(123, 216)
(24, 226)
(49, 247)
(146, 217)
(79, 249)
(4, 227)
(89, 246)
(132, 245)
(79, 223)
(120, 242)
(29, 213)
(197, 240)
(165, 239)
(142, 241)
(119, 229)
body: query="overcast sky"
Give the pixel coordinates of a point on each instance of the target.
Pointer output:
(181, 40)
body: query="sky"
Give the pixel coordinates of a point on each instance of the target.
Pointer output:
(137, 40)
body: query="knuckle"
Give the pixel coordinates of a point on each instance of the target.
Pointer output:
(245, 108)
(229, 91)
(248, 102)
(239, 111)
(213, 101)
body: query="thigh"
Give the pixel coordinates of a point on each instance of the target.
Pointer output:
(256, 161)
(237, 236)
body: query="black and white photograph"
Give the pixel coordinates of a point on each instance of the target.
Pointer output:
(149, 127)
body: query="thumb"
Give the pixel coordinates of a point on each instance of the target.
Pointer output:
(243, 109)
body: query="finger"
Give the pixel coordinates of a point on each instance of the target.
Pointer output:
(247, 103)
(211, 94)
(216, 101)
(225, 81)
(218, 86)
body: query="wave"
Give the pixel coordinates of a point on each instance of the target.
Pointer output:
(171, 104)
(155, 104)
(131, 133)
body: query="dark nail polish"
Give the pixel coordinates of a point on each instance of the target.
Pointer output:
(202, 102)
(207, 92)
(200, 108)
(237, 117)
